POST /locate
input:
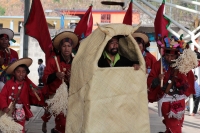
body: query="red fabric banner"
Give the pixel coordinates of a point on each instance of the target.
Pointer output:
(36, 26)
(84, 27)
(128, 16)
(161, 22)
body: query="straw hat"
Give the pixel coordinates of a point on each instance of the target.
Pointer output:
(141, 35)
(65, 34)
(26, 61)
(8, 32)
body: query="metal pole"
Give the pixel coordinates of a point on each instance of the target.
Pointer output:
(25, 39)
(179, 7)
(192, 2)
(170, 9)
(196, 7)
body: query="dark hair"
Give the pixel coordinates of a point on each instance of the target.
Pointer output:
(40, 60)
(196, 76)
(140, 40)
(3, 35)
(63, 41)
(25, 67)
(66, 40)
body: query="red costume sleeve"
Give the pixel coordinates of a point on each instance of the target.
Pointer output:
(3, 97)
(49, 69)
(14, 54)
(32, 96)
(150, 60)
(191, 80)
(155, 71)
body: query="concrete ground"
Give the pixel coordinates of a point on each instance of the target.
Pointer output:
(191, 123)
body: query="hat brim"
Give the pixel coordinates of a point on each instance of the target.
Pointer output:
(141, 35)
(8, 32)
(11, 68)
(65, 34)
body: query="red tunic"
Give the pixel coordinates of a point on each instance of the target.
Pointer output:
(52, 68)
(156, 93)
(150, 60)
(27, 96)
(60, 120)
(9, 56)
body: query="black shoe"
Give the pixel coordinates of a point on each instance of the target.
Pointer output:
(53, 131)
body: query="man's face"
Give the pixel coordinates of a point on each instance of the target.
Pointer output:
(112, 46)
(4, 42)
(170, 57)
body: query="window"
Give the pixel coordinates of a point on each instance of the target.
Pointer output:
(72, 25)
(105, 18)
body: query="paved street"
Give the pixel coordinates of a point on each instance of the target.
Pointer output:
(191, 123)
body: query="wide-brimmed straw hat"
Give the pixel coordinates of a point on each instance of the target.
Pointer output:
(8, 32)
(11, 68)
(141, 35)
(65, 34)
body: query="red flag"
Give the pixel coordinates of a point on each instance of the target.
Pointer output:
(161, 22)
(36, 26)
(128, 16)
(84, 27)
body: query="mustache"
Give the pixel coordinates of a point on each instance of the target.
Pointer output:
(113, 49)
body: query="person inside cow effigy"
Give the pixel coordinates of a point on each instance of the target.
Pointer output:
(171, 81)
(111, 58)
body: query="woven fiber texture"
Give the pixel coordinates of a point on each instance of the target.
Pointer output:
(107, 100)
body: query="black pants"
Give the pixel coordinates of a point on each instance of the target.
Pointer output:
(196, 104)
(40, 82)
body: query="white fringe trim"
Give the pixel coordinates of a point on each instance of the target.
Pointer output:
(8, 125)
(58, 104)
(178, 116)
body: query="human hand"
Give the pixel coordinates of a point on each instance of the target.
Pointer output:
(44, 127)
(161, 76)
(136, 66)
(60, 75)
(6, 110)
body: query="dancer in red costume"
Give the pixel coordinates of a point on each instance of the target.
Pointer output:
(176, 85)
(7, 55)
(21, 91)
(64, 43)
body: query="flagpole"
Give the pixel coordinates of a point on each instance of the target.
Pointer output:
(25, 39)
